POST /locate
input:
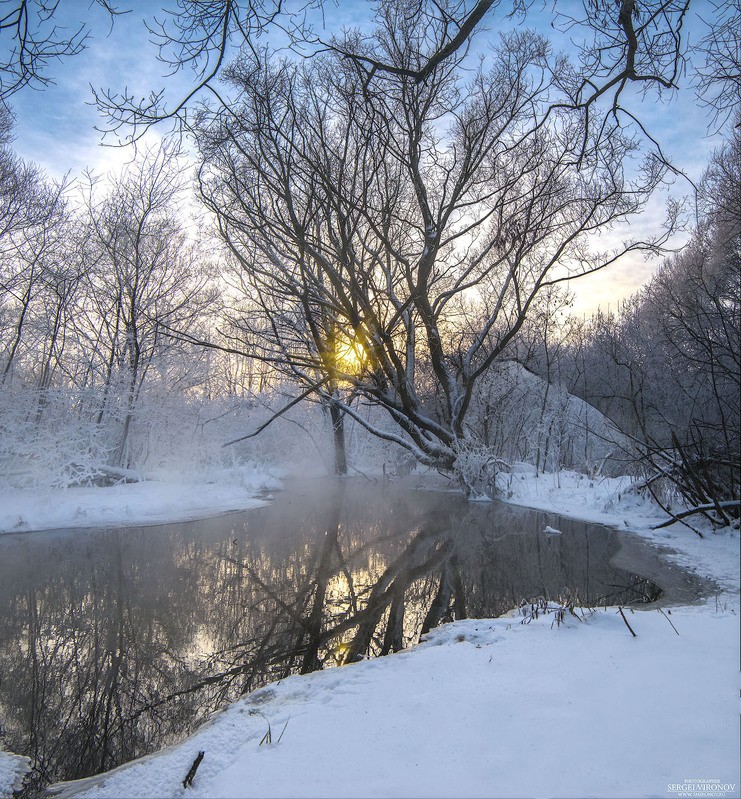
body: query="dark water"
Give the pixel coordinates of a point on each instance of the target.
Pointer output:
(116, 642)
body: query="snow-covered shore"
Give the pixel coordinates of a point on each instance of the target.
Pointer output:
(613, 502)
(481, 707)
(490, 708)
(133, 504)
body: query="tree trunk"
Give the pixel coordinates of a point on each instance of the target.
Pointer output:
(338, 433)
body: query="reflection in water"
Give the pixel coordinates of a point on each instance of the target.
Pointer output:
(116, 642)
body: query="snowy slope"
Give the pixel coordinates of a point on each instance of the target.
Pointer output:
(481, 708)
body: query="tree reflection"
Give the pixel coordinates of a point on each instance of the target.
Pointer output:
(114, 643)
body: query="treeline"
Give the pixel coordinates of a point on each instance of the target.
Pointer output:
(666, 367)
(123, 346)
(95, 275)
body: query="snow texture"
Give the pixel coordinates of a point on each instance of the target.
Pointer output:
(491, 708)
(130, 504)
(12, 769)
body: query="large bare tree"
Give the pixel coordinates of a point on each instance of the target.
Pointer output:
(415, 218)
(622, 44)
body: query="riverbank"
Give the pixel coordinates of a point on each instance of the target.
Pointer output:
(489, 708)
(551, 707)
(135, 503)
(613, 502)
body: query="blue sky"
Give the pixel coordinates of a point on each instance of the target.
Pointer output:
(56, 126)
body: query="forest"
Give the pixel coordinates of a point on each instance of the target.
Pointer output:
(366, 254)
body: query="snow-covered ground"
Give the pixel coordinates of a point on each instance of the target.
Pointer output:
(492, 708)
(130, 504)
(481, 708)
(12, 769)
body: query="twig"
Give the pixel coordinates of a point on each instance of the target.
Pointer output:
(632, 631)
(669, 620)
(282, 731)
(192, 773)
(268, 737)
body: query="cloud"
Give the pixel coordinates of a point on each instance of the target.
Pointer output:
(56, 127)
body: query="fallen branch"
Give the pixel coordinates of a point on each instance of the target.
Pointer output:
(632, 631)
(192, 773)
(730, 503)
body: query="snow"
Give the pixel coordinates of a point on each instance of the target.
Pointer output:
(495, 707)
(12, 769)
(481, 708)
(132, 504)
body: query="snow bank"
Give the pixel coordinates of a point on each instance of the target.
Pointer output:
(150, 502)
(12, 769)
(482, 708)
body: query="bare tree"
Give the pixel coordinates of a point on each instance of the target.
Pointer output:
(297, 340)
(667, 368)
(197, 36)
(384, 208)
(718, 78)
(623, 43)
(35, 38)
(34, 256)
(145, 277)
(33, 228)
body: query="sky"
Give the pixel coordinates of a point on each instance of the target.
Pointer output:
(56, 126)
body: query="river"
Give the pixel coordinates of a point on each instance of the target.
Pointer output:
(115, 642)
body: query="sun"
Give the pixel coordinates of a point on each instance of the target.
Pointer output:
(350, 356)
